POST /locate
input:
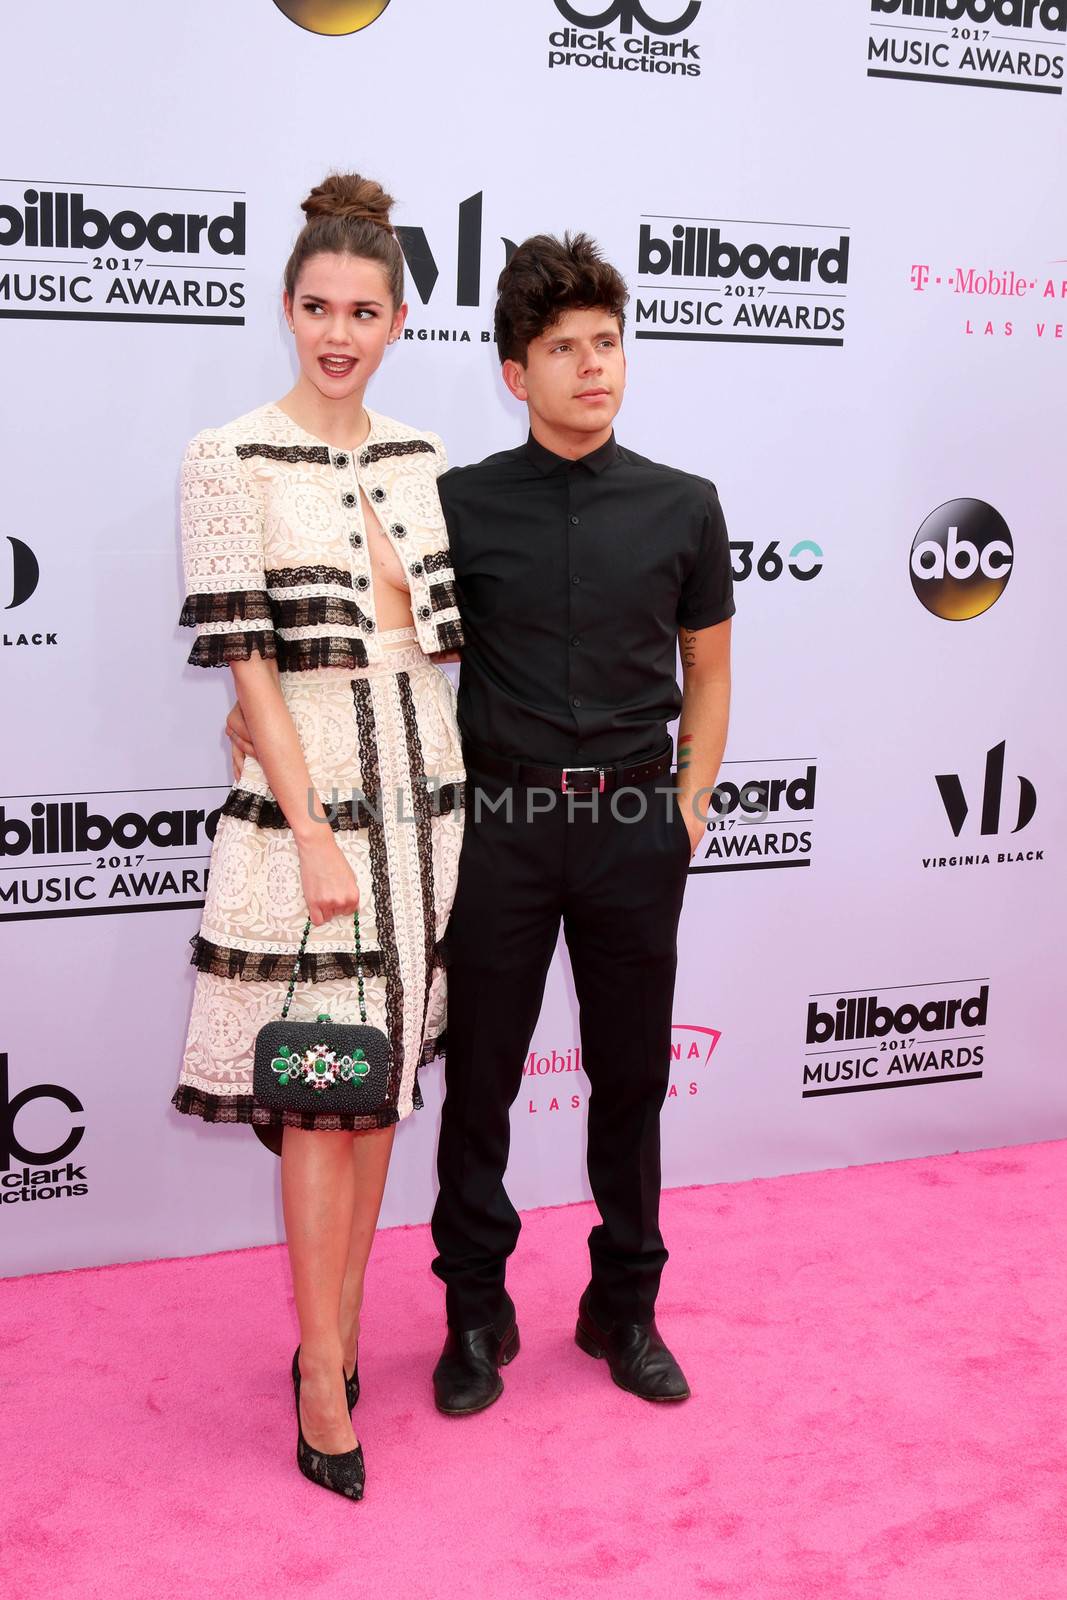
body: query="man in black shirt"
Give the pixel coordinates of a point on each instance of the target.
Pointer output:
(580, 568)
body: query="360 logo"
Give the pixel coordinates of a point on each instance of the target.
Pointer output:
(332, 17)
(803, 562)
(961, 559)
(626, 13)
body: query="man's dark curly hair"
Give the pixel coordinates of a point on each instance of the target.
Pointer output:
(546, 277)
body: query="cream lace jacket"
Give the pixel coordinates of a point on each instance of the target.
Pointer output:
(274, 543)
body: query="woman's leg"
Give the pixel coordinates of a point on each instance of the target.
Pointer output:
(318, 1197)
(370, 1163)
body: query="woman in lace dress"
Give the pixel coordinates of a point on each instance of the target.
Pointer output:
(317, 569)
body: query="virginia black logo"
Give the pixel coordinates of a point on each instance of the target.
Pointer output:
(22, 585)
(105, 853)
(626, 13)
(100, 255)
(954, 800)
(659, 49)
(759, 818)
(869, 1040)
(971, 50)
(422, 263)
(25, 573)
(332, 16)
(961, 559)
(742, 282)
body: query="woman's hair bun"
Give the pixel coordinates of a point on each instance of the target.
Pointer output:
(348, 196)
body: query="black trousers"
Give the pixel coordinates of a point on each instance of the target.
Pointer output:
(616, 881)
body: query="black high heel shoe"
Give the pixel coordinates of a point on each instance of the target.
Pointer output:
(345, 1473)
(351, 1384)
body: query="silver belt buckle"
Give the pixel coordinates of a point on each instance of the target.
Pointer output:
(598, 770)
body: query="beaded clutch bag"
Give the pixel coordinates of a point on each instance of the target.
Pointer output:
(322, 1066)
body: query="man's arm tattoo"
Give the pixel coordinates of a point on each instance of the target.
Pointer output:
(688, 648)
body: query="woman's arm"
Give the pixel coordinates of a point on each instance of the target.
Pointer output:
(328, 881)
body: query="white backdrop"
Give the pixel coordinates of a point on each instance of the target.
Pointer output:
(771, 131)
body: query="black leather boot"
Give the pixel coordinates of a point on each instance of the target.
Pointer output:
(637, 1358)
(467, 1376)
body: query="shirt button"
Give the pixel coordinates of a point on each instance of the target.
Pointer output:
(576, 641)
(340, 460)
(575, 521)
(355, 540)
(576, 699)
(576, 580)
(348, 499)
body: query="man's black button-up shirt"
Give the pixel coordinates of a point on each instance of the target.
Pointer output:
(573, 578)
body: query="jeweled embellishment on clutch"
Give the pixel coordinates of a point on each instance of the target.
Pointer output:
(319, 1067)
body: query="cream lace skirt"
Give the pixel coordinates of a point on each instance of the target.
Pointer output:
(383, 752)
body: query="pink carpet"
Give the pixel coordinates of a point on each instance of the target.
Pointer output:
(876, 1355)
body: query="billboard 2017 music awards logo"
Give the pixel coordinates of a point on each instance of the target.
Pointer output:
(37, 1178)
(760, 822)
(735, 282)
(993, 822)
(100, 853)
(962, 43)
(651, 37)
(992, 299)
(121, 253)
(857, 1040)
(961, 560)
(692, 1047)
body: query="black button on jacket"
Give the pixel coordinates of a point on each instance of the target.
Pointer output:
(612, 550)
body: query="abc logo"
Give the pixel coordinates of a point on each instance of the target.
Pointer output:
(332, 16)
(961, 559)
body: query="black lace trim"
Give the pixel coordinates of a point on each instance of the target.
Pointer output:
(268, 966)
(245, 605)
(242, 1108)
(443, 596)
(436, 560)
(219, 649)
(449, 635)
(289, 577)
(315, 609)
(315, 453)
(306, 655)
(370, 767)
(344, 816)
(423, 830)
(399, 447)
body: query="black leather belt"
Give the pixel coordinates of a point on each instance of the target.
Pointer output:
(568, 780)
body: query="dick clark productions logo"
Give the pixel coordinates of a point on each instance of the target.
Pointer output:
(961, 559)
(658, 48)
(332, 16)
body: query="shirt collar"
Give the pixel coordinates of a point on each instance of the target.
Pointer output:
(547, 462)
